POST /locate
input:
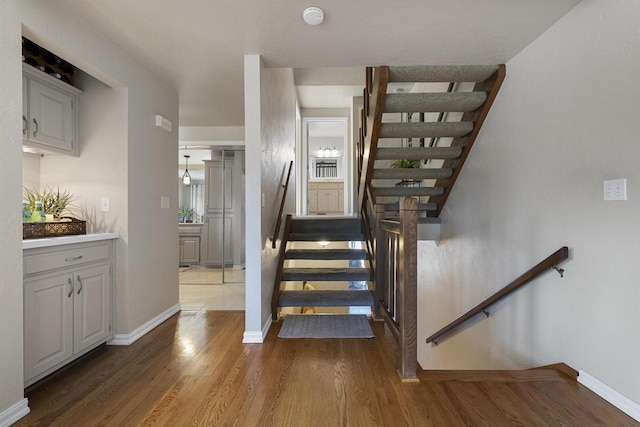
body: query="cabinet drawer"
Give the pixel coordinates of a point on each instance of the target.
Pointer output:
(68, 258)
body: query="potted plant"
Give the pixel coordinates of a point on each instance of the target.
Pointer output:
(407, 164)
(185, 214)
(54, 202)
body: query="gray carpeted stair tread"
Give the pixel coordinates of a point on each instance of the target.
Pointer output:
(418, 153)
(395, 207)
(407, 191)
(413, 173)
(441, 73)
(421, 220)
(326, 298)
(326, 236)
(433, 102)
(425, 130)
(327, 254)
(323, 225)
(327, 274)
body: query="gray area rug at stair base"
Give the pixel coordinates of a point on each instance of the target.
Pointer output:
(326, 326)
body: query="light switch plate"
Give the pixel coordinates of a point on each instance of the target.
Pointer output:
(105, 204)
(164, 202)
(615, 189)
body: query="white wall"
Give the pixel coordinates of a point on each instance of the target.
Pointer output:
(565, 119)
(31, 170)
(270, 113)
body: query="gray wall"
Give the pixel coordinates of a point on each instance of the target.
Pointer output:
(141, 167)
(565, 119)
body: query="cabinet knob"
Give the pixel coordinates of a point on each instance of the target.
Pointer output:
(80, 282)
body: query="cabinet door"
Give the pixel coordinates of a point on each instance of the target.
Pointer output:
(189, 250)
(215, 241)
(51, 116)
(48, 323)
(215, 174)
(340, 200)
(313, 199)
(25, 108)
(92, 306)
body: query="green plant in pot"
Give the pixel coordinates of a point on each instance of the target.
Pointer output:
(185, 214)
(405, 164)
(54, 201)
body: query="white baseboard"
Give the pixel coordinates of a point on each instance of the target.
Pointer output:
(612, 396)
(14, 413)
(255, 337)
(133, 336)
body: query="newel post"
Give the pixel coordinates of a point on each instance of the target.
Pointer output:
(407, 288)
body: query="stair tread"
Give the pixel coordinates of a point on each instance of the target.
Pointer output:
(418, 153)
(395, 207)
(326, 298)
(425, 129)
(407, 191)
(412, 173)
(330, 274)
(434, 102)
(442, 73)
(326, 254)
(421, 220)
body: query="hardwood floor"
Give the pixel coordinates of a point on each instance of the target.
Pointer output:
(193, 370)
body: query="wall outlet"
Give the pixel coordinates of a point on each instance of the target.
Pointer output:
(164, 202)
(105, 204)
(615, 189)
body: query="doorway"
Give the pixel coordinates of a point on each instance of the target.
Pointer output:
(214, 280)
(325, 187)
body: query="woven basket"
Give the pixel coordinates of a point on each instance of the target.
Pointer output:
(35, 230)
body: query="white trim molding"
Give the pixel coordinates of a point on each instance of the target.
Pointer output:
(136, 334)
(256, 337)
(612, 396)
(14, 413)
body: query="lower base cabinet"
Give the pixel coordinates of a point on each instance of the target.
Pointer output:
(68, 309)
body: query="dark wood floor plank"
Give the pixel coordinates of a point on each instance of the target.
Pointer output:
(194, 370)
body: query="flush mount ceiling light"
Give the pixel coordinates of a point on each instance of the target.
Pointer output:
(186, 178)
(313, 15)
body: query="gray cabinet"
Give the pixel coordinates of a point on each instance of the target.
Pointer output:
(223, 232)
(68, 304)
(49, 109)
(189, 250)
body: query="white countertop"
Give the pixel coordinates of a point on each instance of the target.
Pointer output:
(66, 240)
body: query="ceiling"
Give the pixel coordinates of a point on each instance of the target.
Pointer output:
(197, 46)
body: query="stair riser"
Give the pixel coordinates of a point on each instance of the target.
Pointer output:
(333, 226)
(327, 237)
(326, 277)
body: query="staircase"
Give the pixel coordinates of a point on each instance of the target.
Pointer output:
(417, 127)
(321, 264)
(447, 106)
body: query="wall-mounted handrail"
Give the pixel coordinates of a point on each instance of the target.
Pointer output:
(276, 232)
(548, 263)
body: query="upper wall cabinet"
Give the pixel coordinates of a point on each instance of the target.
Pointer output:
(49, 113)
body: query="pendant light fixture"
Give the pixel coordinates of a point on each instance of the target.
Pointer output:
(186, 178)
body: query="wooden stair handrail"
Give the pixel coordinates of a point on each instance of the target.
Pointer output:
(276, 232)
(550, 262)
